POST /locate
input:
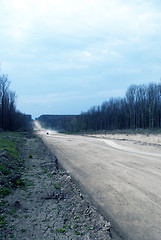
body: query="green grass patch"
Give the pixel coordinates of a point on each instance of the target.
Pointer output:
(28, 182)
(75, 226)
(3, 204)
(60, 230)
(11, 165)
(4, 169)
(45, 170)
(11, 169)
(57, 185)
(2, 221)
(77, 233)
(8, 144)
(12, 151)
(12, 211)
(4, 191)
(66, 226)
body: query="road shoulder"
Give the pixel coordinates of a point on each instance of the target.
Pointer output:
(50, 206)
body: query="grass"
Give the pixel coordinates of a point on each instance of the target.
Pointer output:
(45, 170)
(77, 233)
(60, 230)
(11, 167)
(57, 186)
(4, 170)
(3, 204)
(75, 226)
(12, 211)
(4, 191)
(12, 151)
(28, 182)
(2, 221)
(8, 144)
(66, 226)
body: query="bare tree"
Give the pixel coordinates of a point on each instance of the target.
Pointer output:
(10, 119)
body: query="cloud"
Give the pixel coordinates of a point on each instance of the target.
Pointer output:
(82, 18)
(52, 99)
(49, 98)
(40, 23)
(69, 46)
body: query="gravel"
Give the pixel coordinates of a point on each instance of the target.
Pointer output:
(50, 206)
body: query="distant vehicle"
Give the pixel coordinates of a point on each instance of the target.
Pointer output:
(47, 133)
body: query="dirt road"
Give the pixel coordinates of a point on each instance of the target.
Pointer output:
(122, 179)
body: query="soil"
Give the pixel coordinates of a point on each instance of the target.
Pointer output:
(50, 206)
(148, 139)
(120, 173)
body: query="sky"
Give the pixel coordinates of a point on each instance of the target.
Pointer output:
(63, 57)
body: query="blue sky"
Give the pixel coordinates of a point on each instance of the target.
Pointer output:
(65, 56)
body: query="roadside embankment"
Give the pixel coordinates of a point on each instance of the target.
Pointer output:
(40, 201)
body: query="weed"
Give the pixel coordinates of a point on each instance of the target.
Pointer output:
(4, 191)
(2, 221)
(10, 163)
(16, 215)
(45, 220)
(11, 236)
(32, 175)
(28, 182)
(4, 170)
(12, 212)
(3, 204)
(66, 226)
(90, 228)
(8, 145)
(77, 233)
(12, 151)
(30, 156)
(49, 175)
(29, 194)
(57, 186)
(18, 182)
(75, 226)
(60, 230)
(45, 170)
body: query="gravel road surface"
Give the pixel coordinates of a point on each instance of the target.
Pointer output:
(122, 180)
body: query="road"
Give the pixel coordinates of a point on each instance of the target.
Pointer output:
(125, 184)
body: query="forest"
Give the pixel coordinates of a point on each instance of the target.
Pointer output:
(10, 118)
(140, 108)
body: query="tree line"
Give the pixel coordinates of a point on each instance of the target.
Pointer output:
(10, 118)
(140, 108)
(57, 122)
